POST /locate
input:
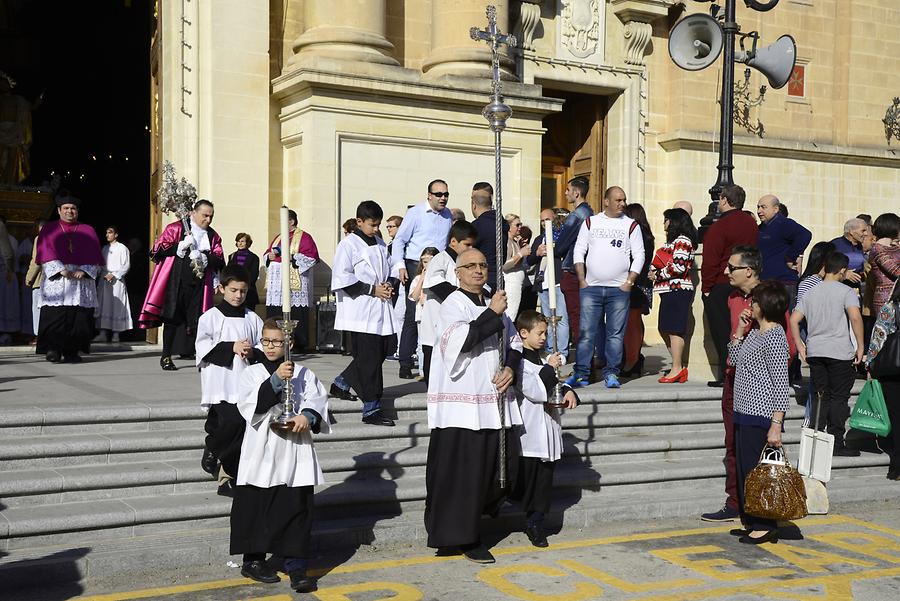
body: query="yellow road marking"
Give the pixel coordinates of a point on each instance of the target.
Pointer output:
(404, 592)
(430, 559)
(628, 587)
(496, 577)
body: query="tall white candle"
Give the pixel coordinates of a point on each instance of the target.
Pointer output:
(285, 263)
(550, 272)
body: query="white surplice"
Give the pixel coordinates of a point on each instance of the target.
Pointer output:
(270, 459)
(299, 298)
(541, 432)
(441, 268)
(113, 310)
(356, 261)
(69, 292)
(217, 383)
(460, 390)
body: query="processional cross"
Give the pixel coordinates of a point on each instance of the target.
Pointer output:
(496, 114)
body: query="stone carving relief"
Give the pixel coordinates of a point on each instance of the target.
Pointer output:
(529, 17)
(637, 38)
(581, 25)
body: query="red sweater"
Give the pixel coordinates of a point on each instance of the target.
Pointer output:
(737, 302)
(733, 228)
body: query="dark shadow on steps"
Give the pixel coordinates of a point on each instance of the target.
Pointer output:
(13, 380)
(354, 507)
(27, 580)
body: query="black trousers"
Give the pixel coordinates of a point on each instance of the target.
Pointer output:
(891, 389)
(534, 484)
(409, 335)
(364, 373)
(301, 332)
(715, 306)
(833, 379)
(427, 351)
(224, 435)
(65, 330)
(748, 444)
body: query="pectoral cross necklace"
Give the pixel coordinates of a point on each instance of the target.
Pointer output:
(69, 235)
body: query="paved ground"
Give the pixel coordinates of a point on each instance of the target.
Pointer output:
(853, 554)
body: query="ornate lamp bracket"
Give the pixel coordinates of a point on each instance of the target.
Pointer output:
(892, 121)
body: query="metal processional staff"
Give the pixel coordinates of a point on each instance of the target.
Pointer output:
(496, 114)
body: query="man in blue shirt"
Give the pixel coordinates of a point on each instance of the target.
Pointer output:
(851, 244)
(576, 195)
(426, 224)
(781, 240)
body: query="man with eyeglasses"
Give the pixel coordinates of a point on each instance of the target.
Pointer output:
(426, 224)
(734, 227)
(742, 270)
(467, 380)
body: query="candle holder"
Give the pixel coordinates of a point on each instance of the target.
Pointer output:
(287, 412)
(556, 398)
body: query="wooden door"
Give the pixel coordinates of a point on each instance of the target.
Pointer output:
(574, 145)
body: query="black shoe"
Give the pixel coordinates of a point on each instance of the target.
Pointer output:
(226, 489)
(843, 451)
(76, 358)
(190, 356)
(301, 583)
(726, 514)
(406, 373)
(167, 364)
(715, 383)
(479, 554)
(259, 571)
(339, 393)
(447, 552)
(893, 475)
(535, 534)
(208, 462)
(738, 532)
(377, 419)
(53, 357)
(769, 537)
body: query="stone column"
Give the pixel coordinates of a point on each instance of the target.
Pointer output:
(453, 51)
(348, 30)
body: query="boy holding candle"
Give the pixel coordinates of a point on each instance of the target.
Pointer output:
(273, 500)
(540, 435)
(226, 334)
(362, 283)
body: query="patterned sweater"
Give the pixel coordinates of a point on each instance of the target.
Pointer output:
(676, 275)
(761, 378)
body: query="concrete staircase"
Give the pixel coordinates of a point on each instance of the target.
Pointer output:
(110, 484)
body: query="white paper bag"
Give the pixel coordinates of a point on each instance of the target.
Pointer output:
(815, 454)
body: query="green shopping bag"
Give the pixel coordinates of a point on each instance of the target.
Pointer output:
(870, 413)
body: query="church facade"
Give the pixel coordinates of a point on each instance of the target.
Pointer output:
(320, 104)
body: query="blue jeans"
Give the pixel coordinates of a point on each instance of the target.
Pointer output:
(601, 305)
(563, 325)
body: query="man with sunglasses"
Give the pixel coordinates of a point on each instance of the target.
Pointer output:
(426, 224)
(734, 227)
(742, 270)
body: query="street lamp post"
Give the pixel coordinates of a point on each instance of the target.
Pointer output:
(730, 29)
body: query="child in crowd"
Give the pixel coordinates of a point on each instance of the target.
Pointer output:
(418, 296)
(834, 344)
(226, 334)
(439, 282)
(360, 281)
(272, 510)
(541, 433)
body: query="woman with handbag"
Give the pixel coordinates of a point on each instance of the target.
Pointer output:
(760, 394)
(670, 273)
(884, 258)
(883, 363)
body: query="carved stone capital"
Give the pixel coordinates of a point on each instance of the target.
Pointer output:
(637, 38)
(638, 16)
(529, 17)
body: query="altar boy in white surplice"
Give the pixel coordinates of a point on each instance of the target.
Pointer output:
(540, 435)
(362, 284)
(113, 310)
(467, 382)
(273, 500)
